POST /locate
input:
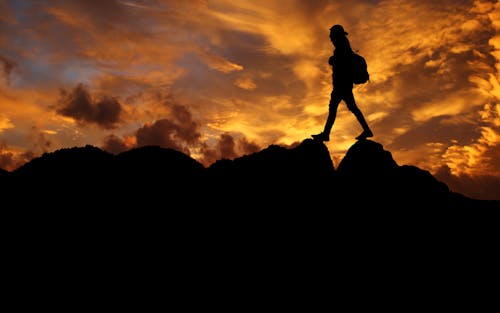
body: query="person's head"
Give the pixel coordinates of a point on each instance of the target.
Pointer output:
(337, 31)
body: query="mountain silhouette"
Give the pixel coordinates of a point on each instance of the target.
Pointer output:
(3, 172)
(276, 176)
(257, 216)
(370, 170)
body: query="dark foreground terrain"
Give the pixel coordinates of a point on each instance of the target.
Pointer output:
(271, 228)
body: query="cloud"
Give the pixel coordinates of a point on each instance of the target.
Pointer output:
(187, 128)
(11, 159)
(115, 144)
(176, 132)
(478, 158)
(7, 14)
(245, 83)
(219, 63)
(161, 133)
(25, 146)
(41, 140)
(80, 105)
(7, 67)
(7, 159)
(475, 186)
(207, 155)
(443, 129)
(247, 147)
(226, 147)
(432, 80)
(5, 123)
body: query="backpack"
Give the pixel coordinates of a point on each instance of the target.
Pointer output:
(359, 69)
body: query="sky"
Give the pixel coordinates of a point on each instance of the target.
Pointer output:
(221, 79)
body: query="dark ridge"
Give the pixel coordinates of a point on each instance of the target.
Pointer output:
(68, 163)
(149, 161)
(370, 170)
(4, 179)
(367, 159)
(153, 168)
(281, 206)
(307, 163)
(275, 178)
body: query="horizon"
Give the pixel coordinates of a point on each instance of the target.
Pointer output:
(335, 167)
(221, 79)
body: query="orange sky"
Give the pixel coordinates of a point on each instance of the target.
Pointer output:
(219, 79)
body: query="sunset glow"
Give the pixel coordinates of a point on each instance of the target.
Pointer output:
(220, 79)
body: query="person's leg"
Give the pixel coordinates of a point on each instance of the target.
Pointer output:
(351, 105)
(335, 99)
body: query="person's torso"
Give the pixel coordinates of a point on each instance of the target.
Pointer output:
(341, 69)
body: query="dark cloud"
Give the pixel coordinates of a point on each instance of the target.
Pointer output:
(80, 105)
(10, 161)
(107, 16)
(437, 129)
(272, 73)
(208, 155)
(6, 66)
(161, 133)
(484, 187)
(7, 15)
(187, 129)
(248, 147)
(226, 146)
(172, 133)
(229, 148)
(7, 161)
(106, 13)
(71, 36)
(114, 144)
(492, 157)
(419, 85)
(40, 141)
(177, 131)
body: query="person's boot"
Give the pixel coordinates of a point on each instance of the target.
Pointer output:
(365, 134)
(321, 137)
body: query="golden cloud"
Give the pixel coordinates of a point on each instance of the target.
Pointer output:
(5, 123)
(245, 83)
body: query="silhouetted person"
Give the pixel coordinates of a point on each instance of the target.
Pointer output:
(342, 84)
